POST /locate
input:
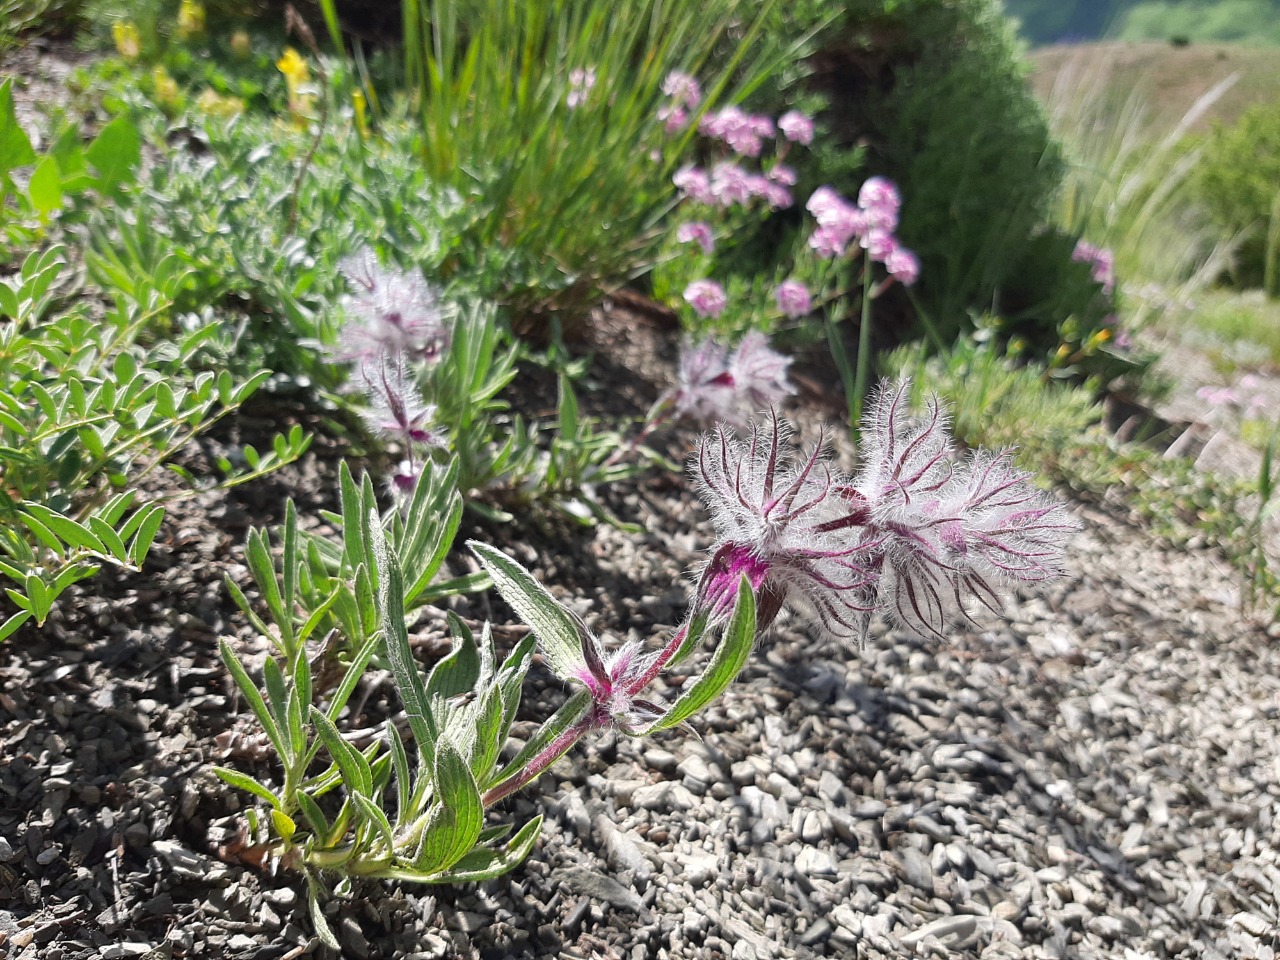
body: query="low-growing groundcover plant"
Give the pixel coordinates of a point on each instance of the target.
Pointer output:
(89, 407)
(913, 534)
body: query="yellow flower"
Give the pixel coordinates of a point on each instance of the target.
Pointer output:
(128, 43)
(241, 45)
(362, 116)
(297, 78)
(165, 88)
(295, 70)
(190, 20)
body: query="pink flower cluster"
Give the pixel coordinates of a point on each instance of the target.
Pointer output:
(699, 232)
(871, 222)
(914, 533)
(796, 127)
(716, 384)
(730, 185)
(793, 299)
(685, 94)
(707, 298)
(743, 132)
(1102, 263)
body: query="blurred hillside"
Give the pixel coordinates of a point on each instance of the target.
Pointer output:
(1195, 21)
(1168, 78)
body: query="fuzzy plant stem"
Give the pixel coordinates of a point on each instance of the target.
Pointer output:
(864, 351)
(557, 748)
(660, 661)
(549, 755)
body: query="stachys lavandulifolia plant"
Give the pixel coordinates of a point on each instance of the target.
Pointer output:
(914, 533)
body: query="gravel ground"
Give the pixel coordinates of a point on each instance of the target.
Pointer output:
(1097, 775)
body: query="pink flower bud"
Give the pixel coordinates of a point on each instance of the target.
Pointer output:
(706, 297)
(796, 127)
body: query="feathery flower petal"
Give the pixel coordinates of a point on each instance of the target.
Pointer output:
(759, 373)
(771, 510)
(389, 311)
(704, 389)
(950, 533)
(396, 408)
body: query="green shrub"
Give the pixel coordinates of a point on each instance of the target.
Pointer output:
(1234, 21)
(997, 403)
(1240, 184)
(572, 175)
(932, 95)
(937, 93)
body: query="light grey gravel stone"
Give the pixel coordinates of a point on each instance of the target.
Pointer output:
(915, 868)
(813, 862)
(957, 927)
(697, 774)
(665, 796)
(590, 883)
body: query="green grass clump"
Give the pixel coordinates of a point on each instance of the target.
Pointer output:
(1131, 183)
(1240, 185)
(1236, 329)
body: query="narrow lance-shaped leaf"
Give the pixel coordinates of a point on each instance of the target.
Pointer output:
(252, 696)
(314, 815)
(245, 782)
(404, 669)
(560, 634)
(458, 672)
(484, 864)
(456, 821)
(730, 657)
(351, 762)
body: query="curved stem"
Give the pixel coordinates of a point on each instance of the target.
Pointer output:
(660, 661)
(550, 754)
(864, 351)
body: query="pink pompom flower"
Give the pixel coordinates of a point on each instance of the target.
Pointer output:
(796, 127)
(793, 298)
(699, 232)
(707, 298)
(903, 266)
(683, 89)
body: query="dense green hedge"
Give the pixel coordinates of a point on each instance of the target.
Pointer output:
(933, 95)
(1240, 185)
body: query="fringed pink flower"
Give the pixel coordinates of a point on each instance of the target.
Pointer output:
(915, 534)
(949, 532)
(770, 509)
(389, 311)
